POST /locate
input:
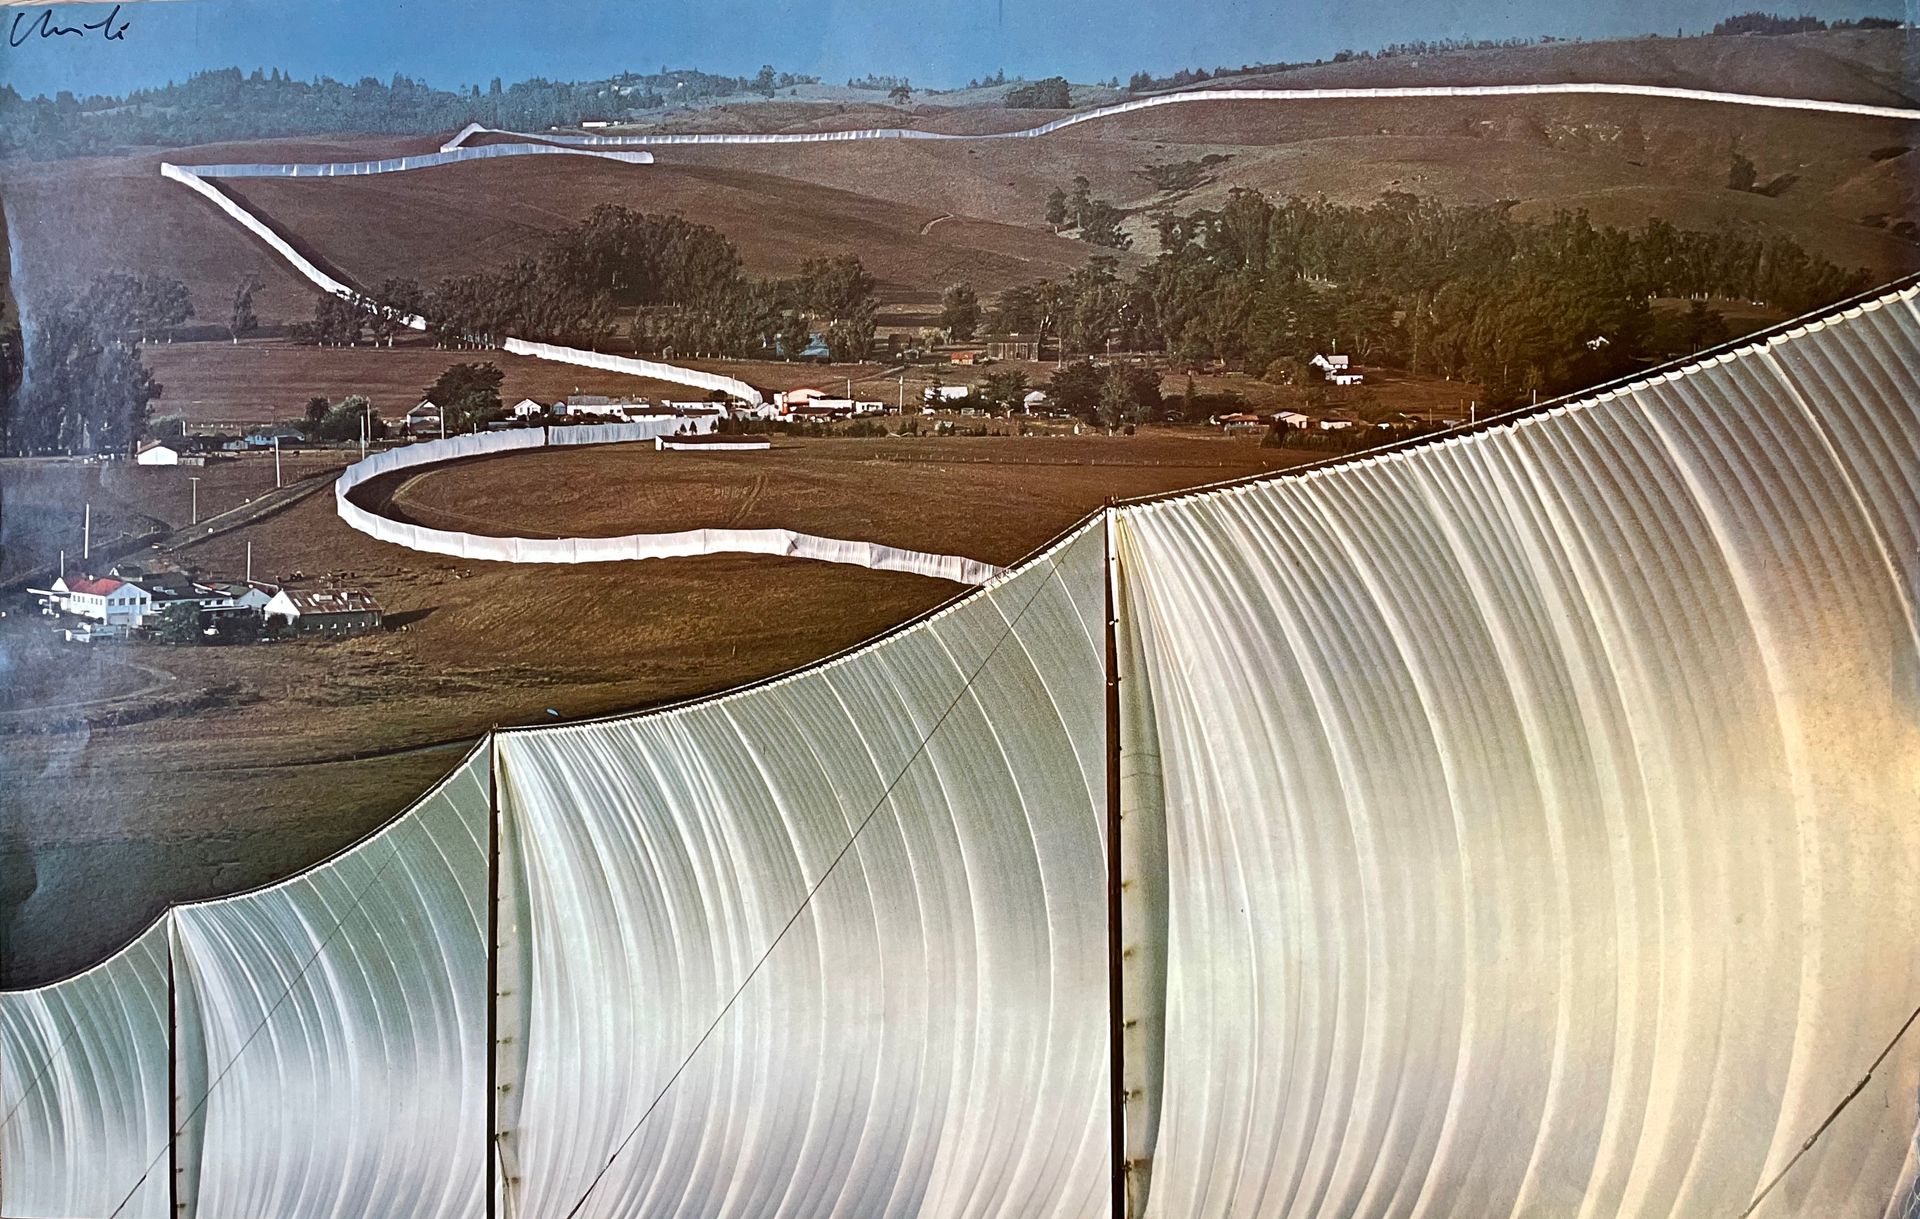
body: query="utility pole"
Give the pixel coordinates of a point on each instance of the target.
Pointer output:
(249, 561)
(363, 432)
(86, 535)
(196, 499)
(276, 463)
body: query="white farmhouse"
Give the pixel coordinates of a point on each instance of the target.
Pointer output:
(114, 602)
(527, 408)
(153, 453)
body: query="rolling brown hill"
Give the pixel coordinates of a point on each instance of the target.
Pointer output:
(75, 220)
(1865, 66)
(461, 218)
(1625, 160)
(922, 214)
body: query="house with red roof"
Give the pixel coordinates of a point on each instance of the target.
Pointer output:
(103, 599)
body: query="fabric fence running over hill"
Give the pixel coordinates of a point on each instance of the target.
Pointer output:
(1521, 823)
(195, 178)
(680, 544)
(1189, 97)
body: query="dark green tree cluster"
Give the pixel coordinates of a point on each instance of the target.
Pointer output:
(672, 286)
(1097, 219)
(83, 387)
(343, 420)
(468, 396)
(1115, 396)
(1523, 307)
(1173, 177)
(838, 294)
(960, 311)
(1004, 392)
(1051, 93)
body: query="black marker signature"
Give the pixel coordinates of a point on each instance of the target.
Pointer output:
(112, 27)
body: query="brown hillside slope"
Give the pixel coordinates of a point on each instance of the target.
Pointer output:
(1627, 160)
(75, 220)
(1864, 66)
(462, 218)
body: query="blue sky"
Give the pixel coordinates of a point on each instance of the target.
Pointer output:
(934, 42)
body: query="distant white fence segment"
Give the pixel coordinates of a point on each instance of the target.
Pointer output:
(682, 544)
(194, 177)
(1407, 92)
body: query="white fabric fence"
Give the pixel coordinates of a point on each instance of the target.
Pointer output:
(395, 165)
(1541, 805)
(1189, 97)
(681, 544)
(354, 1084)
(956, 1065)
(194, 178)
(1536, 817)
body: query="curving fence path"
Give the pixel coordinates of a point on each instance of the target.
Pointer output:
(198, 178)
(1414, 92)
(682, 544)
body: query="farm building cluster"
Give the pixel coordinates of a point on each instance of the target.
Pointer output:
(428, 418)
(129, 602)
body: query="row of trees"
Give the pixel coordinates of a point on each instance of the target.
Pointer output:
(1523, 307)
(1773, 23)
(81, 385)
(670, 286)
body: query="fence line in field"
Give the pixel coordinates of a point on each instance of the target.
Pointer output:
(680, 544)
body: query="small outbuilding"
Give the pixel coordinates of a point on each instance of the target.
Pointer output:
(325, 611)
(423, 419)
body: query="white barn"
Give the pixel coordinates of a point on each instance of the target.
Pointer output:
(1338, 369)
(153, 453)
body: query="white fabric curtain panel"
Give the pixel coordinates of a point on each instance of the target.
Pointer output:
(848, 946)
(1519, 823)
(1541, 805)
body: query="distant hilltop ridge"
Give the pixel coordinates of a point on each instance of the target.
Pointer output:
(1854, 64)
